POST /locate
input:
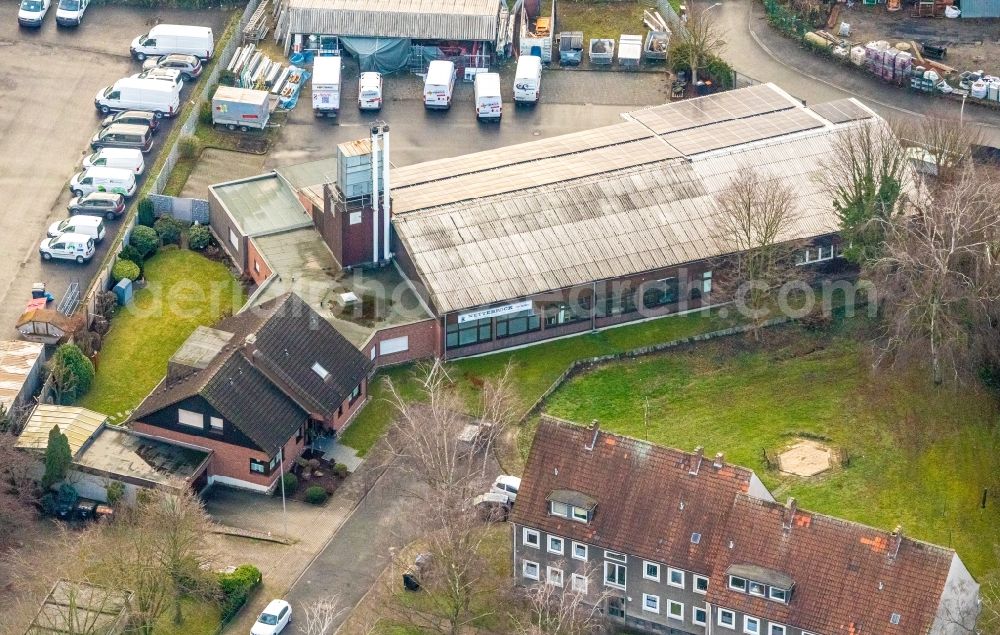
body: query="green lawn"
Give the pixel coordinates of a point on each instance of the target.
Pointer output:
(184, 290)
(597, 18)
(199, 618)
(919, 456)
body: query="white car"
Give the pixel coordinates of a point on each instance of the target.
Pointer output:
(507, 485)
(370, 91)
(273, 619)
(171, 75)
(70, 12)
(32, 12)
(68, 247)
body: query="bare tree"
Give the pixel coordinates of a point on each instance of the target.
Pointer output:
(755, 216)
(570, 609)
(939, 281)
(698, 42)
(989, 616)
(867, 176)
(947, 143)
(18, 492)
(322, 616)
(498, 411)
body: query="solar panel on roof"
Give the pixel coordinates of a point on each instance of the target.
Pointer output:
(841, 111)
(684, 115)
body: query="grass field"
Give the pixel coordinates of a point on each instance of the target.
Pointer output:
(198, 618)
(601, 18)
(184, 290)
(919, 456)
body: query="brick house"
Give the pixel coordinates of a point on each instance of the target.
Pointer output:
(675, 542)
(255, 389)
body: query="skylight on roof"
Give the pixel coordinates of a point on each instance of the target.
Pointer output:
(319, 370)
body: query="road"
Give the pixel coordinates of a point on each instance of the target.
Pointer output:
(49, 79)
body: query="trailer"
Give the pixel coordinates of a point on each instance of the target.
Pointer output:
(326, 85)
(240, 108)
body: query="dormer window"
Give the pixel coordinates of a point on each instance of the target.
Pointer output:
(737, 584)
(572, 505)
(778, 595)
(760, 582)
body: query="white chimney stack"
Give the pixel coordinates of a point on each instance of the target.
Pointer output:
(385, 192)
(375, 135)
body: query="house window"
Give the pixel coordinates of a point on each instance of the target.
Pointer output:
(559, 509)
(215, 423)
(256, 266)
(675, 578)
(659, 293)
(751, 625)
(529, 569)
(614, 575)
(579, 551)
(258, 467)
(621, 300)
(894, 618)
(756, 588)
(737, 584)
(700, 584)
(562, 313)
(394, 345)
(468, 333)
(555, 545)
(650, 603)
(578, 583)
(651, 571)
(675, 610)
(319, 370)
(706, 282)
(699, 616)
(615, 556)
(233, 240)
(554, 576)
(581, 515)
(190, 419)
(776, 629)
(616, 607)
(727, 619)
(815, 253)
(517, 323)
(779, 595)
(354, 395)
(530, 538)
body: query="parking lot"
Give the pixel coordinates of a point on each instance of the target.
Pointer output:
(50, 76)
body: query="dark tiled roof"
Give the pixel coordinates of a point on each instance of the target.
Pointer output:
(648, 503)
(271, 379)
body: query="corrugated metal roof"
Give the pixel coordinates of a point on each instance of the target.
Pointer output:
(475, 20)
(78, 424)
(17, 360)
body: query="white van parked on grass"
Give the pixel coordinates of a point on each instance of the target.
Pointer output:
(489, 105)
(92, 226)
(68, 247)
(123, 158)
(528, 79)
(135, 93)
(98, 179)
(439, 85)
(164, 39)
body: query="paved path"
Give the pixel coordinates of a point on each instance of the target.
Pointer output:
(757, 50)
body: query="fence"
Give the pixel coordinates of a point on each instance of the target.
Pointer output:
(157, 183)
(668, 13)
(187, 210)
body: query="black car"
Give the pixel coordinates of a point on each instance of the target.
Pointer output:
(135, 117)
(106, 204)
(188, 65)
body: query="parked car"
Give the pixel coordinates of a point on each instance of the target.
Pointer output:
(370, 91)
(273, 619)
(126, 158)
(70, 12)
(32, 12)
(164, 39)
(68, 247)
(106, 204)
(98, 179)
(134, 117)
(171, 75)
(188, 65)
(492, 507)
(92, 226)
(507, 485)
(123, 135)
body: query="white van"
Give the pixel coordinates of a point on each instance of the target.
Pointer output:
(163, 99)
(70, 12)
(370, 91)
(528, 79)
(68, 247)
(439, 84)
(92, 226)
(122, 158)
(99, 179)
(164, 39)
(489, 106)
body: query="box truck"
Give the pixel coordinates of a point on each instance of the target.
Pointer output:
(136, 93)
(241, 108)
(528, 79)
(326, 85)
(164, 39)
(439, 84)
(489, 106)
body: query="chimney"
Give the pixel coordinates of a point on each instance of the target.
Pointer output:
(719, 461)
(595, 428)
(895, 540)
(385, 192)
(374, 138)
(789, 515)
(699, 454)
(250, 342)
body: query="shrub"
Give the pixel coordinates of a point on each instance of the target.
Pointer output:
(124, 269)
(189, 147)
(106, 304)
(316, 495)
(147, 213)
(199, 237)
(129, 252)
(58, 458)
(72, 373)
(291, 482)
(205, 112)
(145, 240)
(340, 470)
(116, 492)
(236, 587)
(168, 229)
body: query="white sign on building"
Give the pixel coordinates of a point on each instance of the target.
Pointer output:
(495, 311)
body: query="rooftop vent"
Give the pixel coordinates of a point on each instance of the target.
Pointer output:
(894, 618)
(719, 461)
(695, 538)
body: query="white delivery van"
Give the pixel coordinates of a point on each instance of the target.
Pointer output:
(326, 85)
(370, 91)
(489, 106)
(100, 179)
(122, 158)
(70, 12)
(164, 39)
(68, 247)
(528, 79)
(92, 226)
(439, 84)
(161, 98)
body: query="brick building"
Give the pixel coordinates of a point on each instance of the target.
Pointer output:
(674, 542)
(256, 389)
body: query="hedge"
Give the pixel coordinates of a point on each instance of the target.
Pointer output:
(236, 588)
